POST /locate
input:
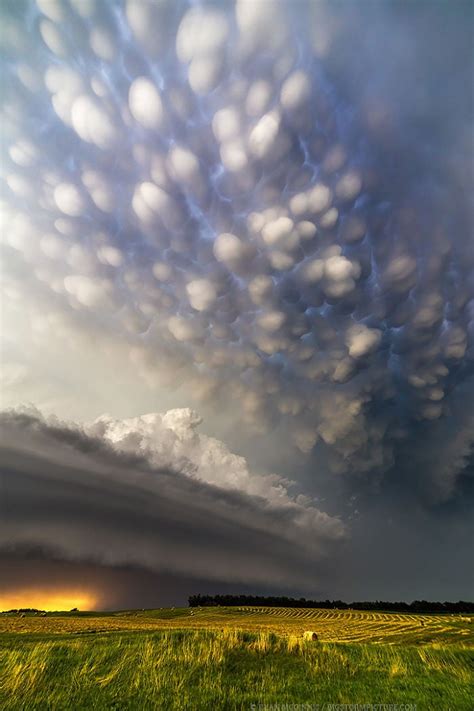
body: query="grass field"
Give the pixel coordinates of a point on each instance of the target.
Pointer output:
(231, 658)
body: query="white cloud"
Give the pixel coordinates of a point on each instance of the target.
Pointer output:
(145, 103)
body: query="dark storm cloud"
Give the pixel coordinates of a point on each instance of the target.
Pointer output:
(76, 497)
(116, 587)
(265, 207)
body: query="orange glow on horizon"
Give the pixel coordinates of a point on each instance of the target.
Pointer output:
(47, 600)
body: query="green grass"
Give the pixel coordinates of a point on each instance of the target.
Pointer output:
(171, 665)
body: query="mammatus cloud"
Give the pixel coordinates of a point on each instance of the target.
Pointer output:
(268, 219)
(154, 494)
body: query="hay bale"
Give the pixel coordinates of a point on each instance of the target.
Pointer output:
(310, 636)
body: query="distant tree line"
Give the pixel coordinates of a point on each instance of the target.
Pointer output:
(32, 610)
(24, 609)
(268, 601)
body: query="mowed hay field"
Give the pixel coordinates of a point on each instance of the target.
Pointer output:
(230, 658)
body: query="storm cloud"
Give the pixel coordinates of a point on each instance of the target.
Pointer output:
(256, 210)
(82, 499)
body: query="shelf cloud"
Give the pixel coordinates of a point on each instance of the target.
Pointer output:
(154, 494)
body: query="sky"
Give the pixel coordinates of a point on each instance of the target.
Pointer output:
(237, 308)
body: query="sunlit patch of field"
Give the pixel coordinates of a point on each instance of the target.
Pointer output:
(330, 625)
